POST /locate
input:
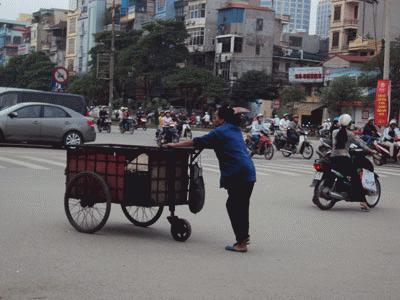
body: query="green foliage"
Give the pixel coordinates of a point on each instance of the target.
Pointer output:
(32, 71)
(195, 85)
(342, 89)
(94, 90)
(251, 86)
(290, 95)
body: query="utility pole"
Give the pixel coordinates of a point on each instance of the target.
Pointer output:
(386, 64)
(112, 57)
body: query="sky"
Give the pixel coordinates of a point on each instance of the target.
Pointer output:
(9, 9)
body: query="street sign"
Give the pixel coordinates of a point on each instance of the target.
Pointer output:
(60, 75)
(306, 75)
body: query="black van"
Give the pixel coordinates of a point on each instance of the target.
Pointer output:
(12, 96)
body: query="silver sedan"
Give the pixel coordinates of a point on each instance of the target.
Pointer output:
(43, 123)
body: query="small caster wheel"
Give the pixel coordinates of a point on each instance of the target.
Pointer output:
(181, 230)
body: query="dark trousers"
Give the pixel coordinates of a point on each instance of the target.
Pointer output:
(347, 167)
(238, 208)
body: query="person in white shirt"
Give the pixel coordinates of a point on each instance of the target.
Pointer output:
(206, 119)
(167, 119)
(284, 123)
(276, 122)
(390, 136)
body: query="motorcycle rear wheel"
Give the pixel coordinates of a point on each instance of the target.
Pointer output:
(319, 201)
(373, 200)
(308, 152)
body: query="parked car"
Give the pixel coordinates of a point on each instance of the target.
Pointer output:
(12, 96)
(43, 123)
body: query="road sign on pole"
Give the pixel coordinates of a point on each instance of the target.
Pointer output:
(60, 75)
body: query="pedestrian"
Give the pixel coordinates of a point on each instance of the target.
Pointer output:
(237, 170)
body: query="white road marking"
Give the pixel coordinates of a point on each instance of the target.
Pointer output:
(22, 163)
(301, 169)
(47, 161)
(208, 166)
(379, 171)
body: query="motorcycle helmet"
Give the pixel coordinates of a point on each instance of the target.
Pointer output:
(393, 121)
(345, 120)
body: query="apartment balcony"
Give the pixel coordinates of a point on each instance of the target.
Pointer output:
(350, 23)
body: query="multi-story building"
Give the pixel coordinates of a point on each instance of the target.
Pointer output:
(244, 42)
(298, 10)
(139, 12)
(48, 33)
(323, 18)
(13, 35)
(357, 27)
(83, 23)
(165, 9)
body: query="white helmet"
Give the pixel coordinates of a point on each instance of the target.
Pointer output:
(393, 121)
(345, 120)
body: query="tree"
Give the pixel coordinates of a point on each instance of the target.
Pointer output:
(290, 95)
(251, 86)
(341, 90)
(32, 71)
(194, 85)
(94, 90)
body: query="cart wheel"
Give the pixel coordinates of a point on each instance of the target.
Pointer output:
(87, 202)
(181, 230)
(142, 216)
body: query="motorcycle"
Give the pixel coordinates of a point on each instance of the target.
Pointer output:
(263, 147)
(324, 147)
(167, 135)
(128, 126)
(330, 186)
(304, 148)
(186, 130)
(104, 124)
(141, 122)
(384, 152)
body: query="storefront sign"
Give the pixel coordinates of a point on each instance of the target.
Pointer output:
(23, 49)
(382, 102)
(306, 75)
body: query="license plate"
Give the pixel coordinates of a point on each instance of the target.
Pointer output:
(318, 176)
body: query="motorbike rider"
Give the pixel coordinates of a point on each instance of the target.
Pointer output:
(325, 126)
(334, 126)
(342, 162)
(390, 134)
(103, 116)
(284, 123)
(276, 122)
(257, 126)
(168, 121)
(370, 132)
(124, 117)
(293, 131)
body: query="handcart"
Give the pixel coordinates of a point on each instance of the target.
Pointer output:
(143, 180)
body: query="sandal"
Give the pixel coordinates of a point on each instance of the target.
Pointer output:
(364, 208)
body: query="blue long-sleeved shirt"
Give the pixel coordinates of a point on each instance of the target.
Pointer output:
(234, 161)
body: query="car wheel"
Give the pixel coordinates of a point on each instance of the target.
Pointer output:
(73, 138)
(2, 140)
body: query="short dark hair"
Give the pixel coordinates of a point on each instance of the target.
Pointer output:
(227, 113)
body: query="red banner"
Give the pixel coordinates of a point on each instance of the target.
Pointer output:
(382, 103)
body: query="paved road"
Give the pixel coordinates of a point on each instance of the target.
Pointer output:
(297, 251)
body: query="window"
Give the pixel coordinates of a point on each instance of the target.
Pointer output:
(71, 46)
(8, 99)
(17, 40)
(72, 25)
(197, 11)
(32, 111)
(70, 65)
(295, 41)
(259, 24)
(238, 45)
(55, 112)
(196, 36)
(80, 64)
(230, 16)
(226, 44)
(335, 39)
(258, 50)
(356, 12)
(337, 13)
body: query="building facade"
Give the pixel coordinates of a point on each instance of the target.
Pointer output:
(48, 33)
(298, 10)
(164, 9)
(244, 41)
(13, 35)
(357, 27)
(323, 18)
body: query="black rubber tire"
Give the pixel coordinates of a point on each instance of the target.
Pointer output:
(144, 127)
(122, 130)
(157, 215)
(132, 129)
(311, 152)
(379, 191)
(109, 129)
(99, 128)
(316, 197)
(189, 135)
(181, 230)
(269, 152)
(72, 132)
(377, 161)
(2, 139)
(101, 184)
(286, 154)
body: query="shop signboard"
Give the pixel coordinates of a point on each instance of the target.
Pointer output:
(306, 75)
(382, 103)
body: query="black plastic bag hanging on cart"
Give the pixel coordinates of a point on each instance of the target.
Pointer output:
(197, 191)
